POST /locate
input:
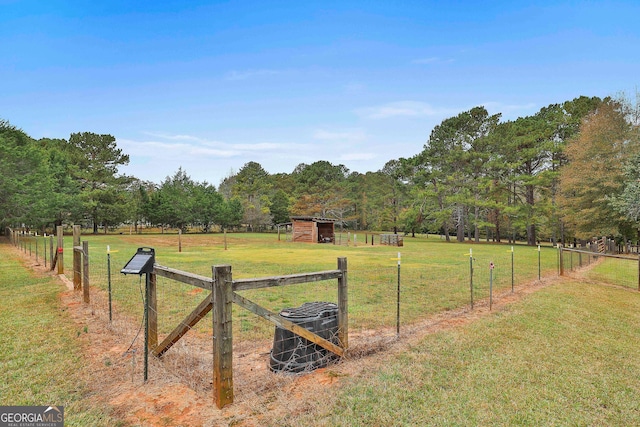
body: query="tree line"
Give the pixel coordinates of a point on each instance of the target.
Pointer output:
(570, 171)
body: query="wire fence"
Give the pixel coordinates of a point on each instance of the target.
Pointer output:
(343, 238)
(619, 270)
(385, 300)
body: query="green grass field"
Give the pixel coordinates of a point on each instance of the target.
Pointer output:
(40, 352)
(621, 272)
(435, 275)
(565, 355)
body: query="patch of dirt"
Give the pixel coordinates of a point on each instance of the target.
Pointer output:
(179, 389)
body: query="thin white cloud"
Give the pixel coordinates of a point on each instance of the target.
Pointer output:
(509, 110)
(159, 149)
(401, 109)
(350, 135)
(357, 156)
(261, 146)
(193, 141)
(173, 137)
(194, 146)
(209, 152)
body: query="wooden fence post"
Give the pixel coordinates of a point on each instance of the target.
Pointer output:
(343, 305)
(561, 262)
(153, 311)
(85, 271)
(222, 336)
(77, 258)
(60, 254)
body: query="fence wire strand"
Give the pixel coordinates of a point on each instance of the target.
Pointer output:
(259, 347)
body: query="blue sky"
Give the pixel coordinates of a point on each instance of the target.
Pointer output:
(210, 86)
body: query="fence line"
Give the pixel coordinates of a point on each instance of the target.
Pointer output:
(372, 285)
(622, 270)
(382, 302)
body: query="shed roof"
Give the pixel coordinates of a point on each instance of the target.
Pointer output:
(313, 218)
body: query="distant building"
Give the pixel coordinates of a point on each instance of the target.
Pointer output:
(311, 229)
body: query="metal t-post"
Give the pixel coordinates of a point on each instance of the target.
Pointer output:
(490, 286)
(471, 275)
(539, 265)
(512, 272)
(109, 280)
(398, 300)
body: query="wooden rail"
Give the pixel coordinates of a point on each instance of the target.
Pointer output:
(220, 301)
(292, 279)
(287, 324)
(184, 277)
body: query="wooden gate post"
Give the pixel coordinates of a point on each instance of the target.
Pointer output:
(222, 336)
(60, 261)
(343, 305)
(153, 311)
(77, 258)
(85, 271)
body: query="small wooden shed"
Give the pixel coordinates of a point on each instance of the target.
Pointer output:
(311, 229)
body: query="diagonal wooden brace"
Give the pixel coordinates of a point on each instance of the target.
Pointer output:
(287, 324)
(189, 322)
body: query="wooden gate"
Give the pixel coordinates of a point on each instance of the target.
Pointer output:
(223, 294)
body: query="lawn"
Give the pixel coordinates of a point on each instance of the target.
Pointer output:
(435, 274)
(564, 355)
(40, 349)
